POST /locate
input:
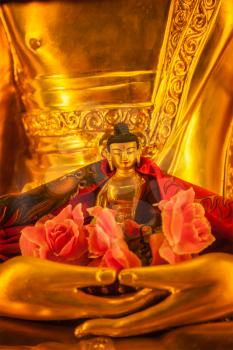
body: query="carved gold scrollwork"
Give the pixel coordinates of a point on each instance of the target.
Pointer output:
(70, 120)
(93, 120)
(181, 13)
(111, 117)
(51, 123)
(58, 123)
(190, 23)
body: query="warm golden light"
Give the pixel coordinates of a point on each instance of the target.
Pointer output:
(76, 81)
(70, 71)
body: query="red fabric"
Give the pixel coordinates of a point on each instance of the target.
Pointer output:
(9, 242)
(218, 210)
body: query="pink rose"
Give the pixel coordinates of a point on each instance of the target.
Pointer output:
(118, 256)
(103, 232)
(185, 228)
(162, 253)
(106, 242)
(62, 238)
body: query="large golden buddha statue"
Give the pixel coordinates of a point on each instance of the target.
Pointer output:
(163, 67)
(71, 70)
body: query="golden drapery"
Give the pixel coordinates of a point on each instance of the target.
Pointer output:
(70, 70)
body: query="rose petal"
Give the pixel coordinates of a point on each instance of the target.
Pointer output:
(105, 218)
(98, 241)
(97, 211)
(167, 254)
(118, 257)
(34, 234)
(66, 213)
(77, 214)
(108, 223)
(27, 247)
(194, 238)
(193, 210)
(184, 197)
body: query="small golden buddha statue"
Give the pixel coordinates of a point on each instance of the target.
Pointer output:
(128, 191)
(124, 188)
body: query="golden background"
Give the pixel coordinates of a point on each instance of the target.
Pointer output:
(71, 69)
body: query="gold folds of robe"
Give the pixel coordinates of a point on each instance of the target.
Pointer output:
(71, 69)
(79, 67)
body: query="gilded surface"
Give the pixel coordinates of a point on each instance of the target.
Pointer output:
(69, 71)
(201, 134)
(165, 70)
(72, 86)
(122, 192)
(191, 22)
(58, 122)
(192, 292)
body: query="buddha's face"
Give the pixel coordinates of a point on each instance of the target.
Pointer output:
(124, 155)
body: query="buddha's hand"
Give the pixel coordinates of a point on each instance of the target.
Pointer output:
(199, 290)
(37, 289)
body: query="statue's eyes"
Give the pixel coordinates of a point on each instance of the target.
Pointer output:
(131, 151)
(117, 153)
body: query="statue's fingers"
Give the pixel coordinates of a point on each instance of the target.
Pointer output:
(170, 277)
(185, 307)
(54, 275)
(99, 306)
(80, 277)
(100, 327)
(73, 304)
(149, 277)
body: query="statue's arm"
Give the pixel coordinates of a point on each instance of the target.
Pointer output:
(102, 200)
(198, 291)
(38, 289)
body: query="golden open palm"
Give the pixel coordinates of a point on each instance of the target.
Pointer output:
(199, 290)
(193, 291)
(37, 289)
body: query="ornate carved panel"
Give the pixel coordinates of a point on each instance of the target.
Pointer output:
(58, 123)
(189, 24)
